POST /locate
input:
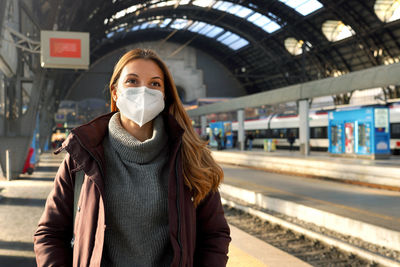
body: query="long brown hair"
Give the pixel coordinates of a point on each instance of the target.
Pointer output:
(201, 173)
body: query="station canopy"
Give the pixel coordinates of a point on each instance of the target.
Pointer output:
(266, 44)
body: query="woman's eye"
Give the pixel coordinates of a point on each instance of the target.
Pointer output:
(131, 81)
(157, 84)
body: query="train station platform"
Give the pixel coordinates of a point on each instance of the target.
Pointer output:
(370, 214)
(246, 250)
(384, 173)
(22, 201)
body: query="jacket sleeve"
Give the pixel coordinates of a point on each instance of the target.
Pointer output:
(213, 233)
(52, 239)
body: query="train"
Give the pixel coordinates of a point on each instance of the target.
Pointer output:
(279, 126)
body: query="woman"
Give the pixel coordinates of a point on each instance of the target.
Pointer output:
(150, 192)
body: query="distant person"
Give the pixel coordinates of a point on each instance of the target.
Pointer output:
(225, 140)
(218, 139)
(234, 139)
(250, 138)
(207, 138)
(291, 138)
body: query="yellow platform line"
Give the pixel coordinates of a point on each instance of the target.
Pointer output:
(239, 258)
(248, 251)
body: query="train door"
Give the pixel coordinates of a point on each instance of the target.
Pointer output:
(349, 137)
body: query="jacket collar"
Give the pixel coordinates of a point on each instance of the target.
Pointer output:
(88, 138)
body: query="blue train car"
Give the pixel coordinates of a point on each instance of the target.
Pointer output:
(361, 132)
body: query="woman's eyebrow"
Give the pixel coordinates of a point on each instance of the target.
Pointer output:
(132, 74)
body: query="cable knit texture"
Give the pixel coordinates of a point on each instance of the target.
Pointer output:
(136, 193)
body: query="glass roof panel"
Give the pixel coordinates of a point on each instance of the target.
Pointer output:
(153, 24)
(304, 7)
(206, 29)
(233, 9)
(293, 46)
(239, 44)
(222, 5)
(223, 36)
(254, 17)
(165, 22)
(197, 26)
(144, 25)
(292, 3)
(203, 3)
(387, 10)
(244, 12)
(309, 7)
(179, 24)
(271, 27)
(261, 21)
(396, 13)
(217, 4)
(227, 38)
(230, 39)
(214, 32)
(336, 30)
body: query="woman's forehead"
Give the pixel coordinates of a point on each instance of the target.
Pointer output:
(142, 68)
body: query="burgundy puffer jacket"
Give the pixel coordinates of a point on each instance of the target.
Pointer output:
(199, 236)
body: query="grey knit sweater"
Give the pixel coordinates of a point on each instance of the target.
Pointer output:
(136, 198)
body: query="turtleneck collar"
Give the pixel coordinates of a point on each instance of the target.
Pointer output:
(133, 150)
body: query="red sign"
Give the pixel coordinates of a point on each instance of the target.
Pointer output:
(61, 47)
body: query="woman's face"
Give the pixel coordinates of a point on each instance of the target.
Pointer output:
(140, 72)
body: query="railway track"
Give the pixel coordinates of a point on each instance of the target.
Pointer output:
(317, 249)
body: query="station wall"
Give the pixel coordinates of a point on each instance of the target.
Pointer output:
(195, 73)
(219, 80)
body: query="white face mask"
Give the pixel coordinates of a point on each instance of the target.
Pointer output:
(140, 104)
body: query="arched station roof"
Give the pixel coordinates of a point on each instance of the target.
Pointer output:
(266, 44)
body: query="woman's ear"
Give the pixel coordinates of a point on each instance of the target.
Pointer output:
(114, 93)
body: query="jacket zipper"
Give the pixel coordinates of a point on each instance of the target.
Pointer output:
(178, 207)
(101, 170)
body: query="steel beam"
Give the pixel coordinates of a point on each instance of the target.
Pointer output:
(364, 79)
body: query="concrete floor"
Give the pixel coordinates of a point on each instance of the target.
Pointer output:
(21, 205)
(22, 202)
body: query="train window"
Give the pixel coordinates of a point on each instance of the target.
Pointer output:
(282, 133)
(275, 133)
(268, 133)
(318, 132)
(395, 130)
(262, 134)
(296, 132)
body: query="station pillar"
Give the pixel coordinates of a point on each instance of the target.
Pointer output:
(203, 123)
(304, 129)
(241, 139)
